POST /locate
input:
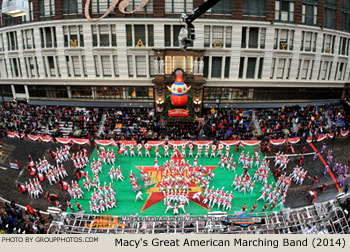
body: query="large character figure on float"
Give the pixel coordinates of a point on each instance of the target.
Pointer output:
(178, 90)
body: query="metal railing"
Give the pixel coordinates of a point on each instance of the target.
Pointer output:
(324, 218)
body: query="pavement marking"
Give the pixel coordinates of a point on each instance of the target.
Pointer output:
(20, 174)
(293, 155)
(4, 168)
(329, 168)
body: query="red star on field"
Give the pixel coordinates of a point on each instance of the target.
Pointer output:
(156, 196)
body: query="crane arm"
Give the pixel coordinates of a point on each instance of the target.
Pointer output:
(186, 35)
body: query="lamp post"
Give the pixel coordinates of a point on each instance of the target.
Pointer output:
(159, 101)
(197, 102)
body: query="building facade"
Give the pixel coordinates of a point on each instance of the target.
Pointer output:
(245, 52)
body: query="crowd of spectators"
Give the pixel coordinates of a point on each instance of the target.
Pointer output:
(17, 220)
(144, 124)
(48, 120)
(296, 121)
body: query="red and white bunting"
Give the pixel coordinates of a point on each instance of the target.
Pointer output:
(344, 133)
(34, 137)
(127, 142)
(63, 140)
(321, 137)
(251, 142)
(12, 134)
(80, 141)
(178, 143)
(294, 140)
(202, 142)
(46, 139)
(105, 142)
(278, 141)
(230, 142)
(156, 143)
(330, 135)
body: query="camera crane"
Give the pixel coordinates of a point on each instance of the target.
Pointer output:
(186, 34)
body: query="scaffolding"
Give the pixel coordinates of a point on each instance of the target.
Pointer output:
(321, 218)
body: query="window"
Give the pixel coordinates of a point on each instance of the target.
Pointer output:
(308, 41)
(46, 8)
(309, 12)
(330, 70)
(305, 69)
(19, 89)
(12, 41)
(324, 66)
(116, 66)
(241, 67)
(178, 6)
(216, 64)
(254, 37)
(151, 65)
(283, 39)
(130, 66)
(5, 90)
(346, 15)
(143, 35)
(251, 68)
(16, 67)
(32, 70)
(48, 37)
(83, 58)
(217, 36)
(206, 67)
(284, 10)
(140, 34)
(329, 13)
(100, 6)
(328, 43)
(70, 6)
(254, 8)
(260, 70)
(135, 3)
(222, 7)
(81, 92)
(106, 65)
(228, 36)
(76, 66)
(272, 72)
(139, 93)
(343, 46)
(109, 93)
(73, 36)
(141, 66)
(176, 31)
(280, 68)
(206, 36)
(51, 66)
(179, 62)
(227, 67)
(97, 65)
(340, 74)
(2, 48)
(104, 35)
(3, 68)
(28, 39)
(171, 33)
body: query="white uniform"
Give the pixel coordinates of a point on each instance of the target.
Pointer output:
(138, 196)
